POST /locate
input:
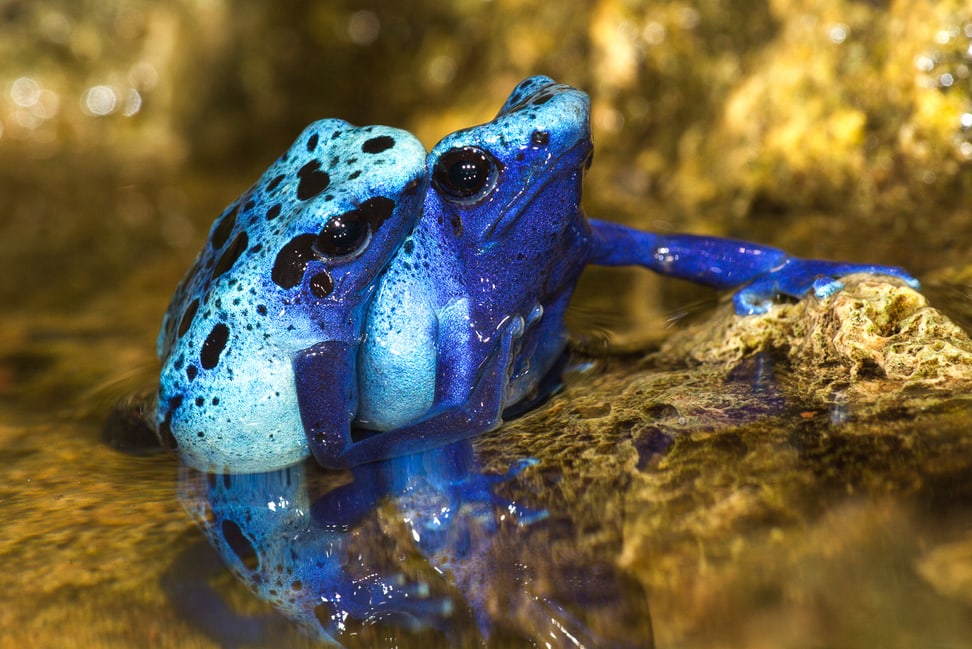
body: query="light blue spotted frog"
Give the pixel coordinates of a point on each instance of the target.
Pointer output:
(290, 266)
(362, 301)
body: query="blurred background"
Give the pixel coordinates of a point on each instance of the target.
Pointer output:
(833, 128)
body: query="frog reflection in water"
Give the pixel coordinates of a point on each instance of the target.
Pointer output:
(442, 553)
(360, 303)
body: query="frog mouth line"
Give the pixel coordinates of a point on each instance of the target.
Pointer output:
(551, 169)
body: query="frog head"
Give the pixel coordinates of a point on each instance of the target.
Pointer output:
(519, 172)
(290, 264)
(507, 193)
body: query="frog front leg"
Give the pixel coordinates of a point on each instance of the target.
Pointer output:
(327, 396)
(762, 272)
(472, 379)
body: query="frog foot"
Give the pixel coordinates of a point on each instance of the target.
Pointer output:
(796, 278)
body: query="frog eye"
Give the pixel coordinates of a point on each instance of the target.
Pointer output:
(465, 173)
(344, 236)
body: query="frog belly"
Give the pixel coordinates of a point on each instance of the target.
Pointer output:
(397, 370)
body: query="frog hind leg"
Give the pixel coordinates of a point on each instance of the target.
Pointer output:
(761, 273)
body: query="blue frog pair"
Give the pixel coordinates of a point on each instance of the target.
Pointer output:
(364, 300)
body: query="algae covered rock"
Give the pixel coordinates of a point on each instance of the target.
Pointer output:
(875, 337)
(761, 464)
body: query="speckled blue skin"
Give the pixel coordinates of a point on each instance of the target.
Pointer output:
(468, 315)
(261, 293)
(315, 553)
(316, 574)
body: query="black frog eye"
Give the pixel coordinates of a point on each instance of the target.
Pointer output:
(465, 174)
(344, 236)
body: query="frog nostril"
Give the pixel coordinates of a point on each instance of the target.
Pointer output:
(412, 187)
(321, 284)
(540, 138)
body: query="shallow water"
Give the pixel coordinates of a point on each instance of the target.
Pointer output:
(716, 513)
(692, 507)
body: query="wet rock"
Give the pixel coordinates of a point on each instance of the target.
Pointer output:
(760, 464)
(874, 340)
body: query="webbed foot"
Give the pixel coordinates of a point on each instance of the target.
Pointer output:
(797, 277)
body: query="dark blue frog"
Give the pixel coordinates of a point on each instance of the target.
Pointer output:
(361, 303)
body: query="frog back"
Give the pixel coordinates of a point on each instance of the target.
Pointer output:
(292, 263)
